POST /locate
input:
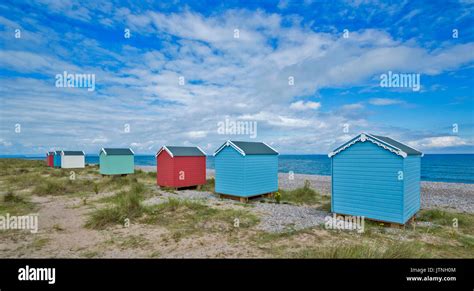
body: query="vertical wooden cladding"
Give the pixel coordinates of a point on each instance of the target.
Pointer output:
(180, 171)
(50, 159)
(376, 177)
(164, 170)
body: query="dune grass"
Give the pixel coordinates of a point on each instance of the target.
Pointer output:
(302, 195)
(209, 186)
(446, 218)
(125, 205)
(15, 204)
(392, 250)
(189, 217)
(51, 186)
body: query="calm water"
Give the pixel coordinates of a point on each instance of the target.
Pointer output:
(443, 168)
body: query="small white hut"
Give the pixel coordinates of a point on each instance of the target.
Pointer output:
(72, 159)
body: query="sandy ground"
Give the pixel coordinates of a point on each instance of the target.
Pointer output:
(456, 196)
(62, 235)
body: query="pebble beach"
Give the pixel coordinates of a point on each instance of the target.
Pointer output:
(457, 197)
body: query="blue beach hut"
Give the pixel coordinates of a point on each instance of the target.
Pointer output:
(246, 169)
(57, 159)
(376, 177)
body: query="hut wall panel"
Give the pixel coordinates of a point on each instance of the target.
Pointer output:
(116, 165)
(261, 174)
(412, 173)
(229, 165)
(165, 168)
(57, 161)
(365, 183)
(70, 162)
(194, 171)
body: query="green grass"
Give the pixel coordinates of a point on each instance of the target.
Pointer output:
(395, 250)
(447, 218)
(90, 254)
(15, 204)
(186, 217)
(51, 186)
(130, 242)
(209, 186)
(22, 181)
(303, 195)
(126, 205)
(39, 243)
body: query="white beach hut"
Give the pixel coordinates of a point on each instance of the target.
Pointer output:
(72, 159)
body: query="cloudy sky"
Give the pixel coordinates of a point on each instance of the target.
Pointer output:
(307, 73)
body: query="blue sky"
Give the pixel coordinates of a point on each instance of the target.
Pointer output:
(335, 95)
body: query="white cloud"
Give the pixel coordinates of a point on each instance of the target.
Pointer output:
(197, 134)
(385, 101)
(5, 143)
(439, 142)
(351, 107)
(301, 105)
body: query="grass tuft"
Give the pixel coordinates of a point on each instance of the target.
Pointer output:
(127, 204)
(303, 195)
(209, 186)
(395, 250)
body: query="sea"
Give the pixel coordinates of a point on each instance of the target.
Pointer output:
(455, 168)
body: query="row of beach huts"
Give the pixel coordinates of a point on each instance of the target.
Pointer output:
(372, 176)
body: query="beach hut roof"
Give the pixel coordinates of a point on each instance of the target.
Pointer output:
(179, 151)
(382, 141)
(57, 152)
(249, 148)
(117, 151)
(50, 153)
(73, 153)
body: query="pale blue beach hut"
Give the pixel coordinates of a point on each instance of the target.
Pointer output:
(376, 177)
(246, 169)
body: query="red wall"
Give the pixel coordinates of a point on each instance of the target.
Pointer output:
(50, 161)
(164, 170)
(169, 169)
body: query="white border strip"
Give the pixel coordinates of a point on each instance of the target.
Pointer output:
(364, 137)
(229, 143)
(271, 147)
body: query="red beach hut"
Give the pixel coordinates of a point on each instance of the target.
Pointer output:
(50, 159)
(180, 166)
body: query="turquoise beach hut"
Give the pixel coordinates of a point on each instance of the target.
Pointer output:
(57, 159)
(116, 161)
(246, 169)
(376, 177)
